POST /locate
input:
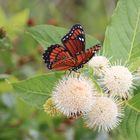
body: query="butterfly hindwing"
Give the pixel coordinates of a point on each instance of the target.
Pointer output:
(64, 64)
(74, 41)
(56, 57)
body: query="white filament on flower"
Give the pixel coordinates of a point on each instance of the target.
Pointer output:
(74, 95)
(105, 115)
(99, 64)
(117, 80)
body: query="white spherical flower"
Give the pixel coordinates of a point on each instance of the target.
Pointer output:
(74, 95)
(99, 64)
(117, 80)
(105, 115)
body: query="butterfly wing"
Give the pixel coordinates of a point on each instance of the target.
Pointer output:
(84, 56)
(58, 58)
(64, 64)
(74, 41)
(73, 55)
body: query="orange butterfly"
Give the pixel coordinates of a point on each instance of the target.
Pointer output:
(72, 55)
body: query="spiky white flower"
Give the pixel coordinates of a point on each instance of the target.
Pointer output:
(105, 115)
(117, 80)
(99, 64)
(74, 95)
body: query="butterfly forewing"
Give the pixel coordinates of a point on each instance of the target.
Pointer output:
(84, 57)
(74, 41)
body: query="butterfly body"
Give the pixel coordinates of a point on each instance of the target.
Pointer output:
(72, 55)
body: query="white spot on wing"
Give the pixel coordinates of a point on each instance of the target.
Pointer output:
(80, 38)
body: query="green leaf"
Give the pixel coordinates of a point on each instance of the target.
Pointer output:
(37, 90)
(6, 60)
(48, 34)
(5, 80)
(2, 17)
(90, 72)
(122, 35)
(134, 102)
(130, 126)
(22, 109)
(14, 24)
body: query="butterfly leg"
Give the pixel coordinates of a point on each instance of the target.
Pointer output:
(74, 72)
(65, 72)
(70, 71)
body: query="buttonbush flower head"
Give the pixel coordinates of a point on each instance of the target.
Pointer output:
(49, 108)
(118, 80)
(99, 64)
(105, 115)
(74, 95)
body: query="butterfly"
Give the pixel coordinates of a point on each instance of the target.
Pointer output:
(72, 55)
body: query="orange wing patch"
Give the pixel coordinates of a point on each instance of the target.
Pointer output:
(74, 41)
